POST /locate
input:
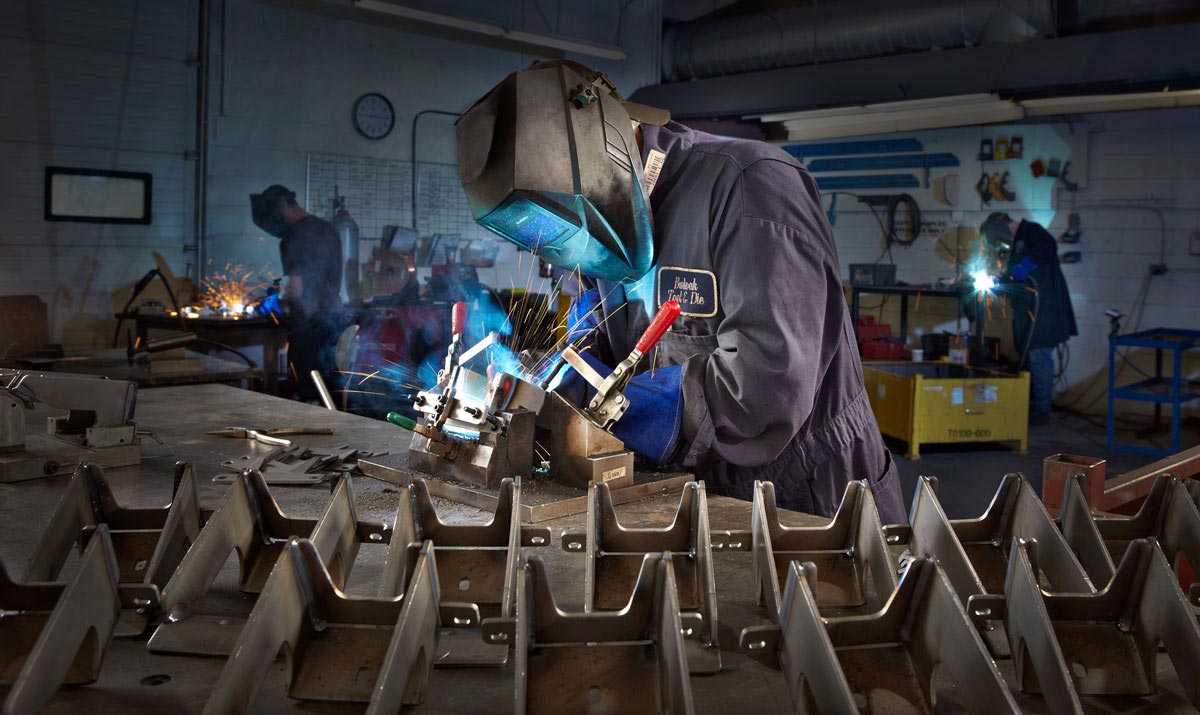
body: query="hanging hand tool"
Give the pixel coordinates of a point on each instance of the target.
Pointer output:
(609, 403)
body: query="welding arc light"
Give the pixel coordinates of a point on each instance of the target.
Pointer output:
(983, 282)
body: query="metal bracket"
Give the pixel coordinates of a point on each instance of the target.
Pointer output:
(477, 563)
(614, 561)
(1106, 643)
(885, 661)
(338, 647)
(973, 552)
(854, 565)
(1168, 515)
(632, 660)
(52, 633)
(250, 522)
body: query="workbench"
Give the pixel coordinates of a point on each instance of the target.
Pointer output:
(242, 332)
(905, 292)
(133, 680)
(114, 364)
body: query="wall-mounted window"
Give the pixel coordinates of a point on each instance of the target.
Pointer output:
(97, 196)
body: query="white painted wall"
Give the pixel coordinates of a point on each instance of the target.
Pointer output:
(100, 85)
(286, 75)
(1147, 159)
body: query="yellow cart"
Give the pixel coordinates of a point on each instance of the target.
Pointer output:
(937, 403)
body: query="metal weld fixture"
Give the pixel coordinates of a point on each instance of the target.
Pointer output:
(250, 523)
(148, 543)
(974, 552)
(1168, 515)
(477, 564)
(338, 647)
(631, 660)
(614, 556)
(1105, 643)
(54, 634)
(889, 661)
(854, 567)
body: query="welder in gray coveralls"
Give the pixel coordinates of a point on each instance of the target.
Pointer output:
(759, 378)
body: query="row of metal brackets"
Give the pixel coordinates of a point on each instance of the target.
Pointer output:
(1012, 583)
(849, 634)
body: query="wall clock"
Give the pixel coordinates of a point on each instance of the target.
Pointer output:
(374, 116)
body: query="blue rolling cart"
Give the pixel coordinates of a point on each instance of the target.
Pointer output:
(1172, 390)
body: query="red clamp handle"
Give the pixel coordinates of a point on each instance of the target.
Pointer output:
(458, 318)
(666, 315)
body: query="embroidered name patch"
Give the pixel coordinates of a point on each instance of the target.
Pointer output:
(695, 290)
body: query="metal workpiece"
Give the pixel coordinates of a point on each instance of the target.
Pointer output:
(54, 634)
(614, 557)
(1168, 515)
(404, 676)
(899, 659)
(250, 523)
(974, 552)
(338, 647)
(1106, 643)
(632, 661)
(98, 426)
(581, 452)
(854, 569)
(477, 564)
(148, 542)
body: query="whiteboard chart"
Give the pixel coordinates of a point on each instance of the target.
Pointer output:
(379, 193)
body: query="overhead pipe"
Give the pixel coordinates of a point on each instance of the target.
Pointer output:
(806, 34)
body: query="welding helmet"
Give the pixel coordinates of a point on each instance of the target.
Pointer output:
(549, 162)
(996, 232)
(266, 209)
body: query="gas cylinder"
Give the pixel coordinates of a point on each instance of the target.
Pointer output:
(347, 231)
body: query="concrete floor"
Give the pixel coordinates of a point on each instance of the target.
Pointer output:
(970, 473)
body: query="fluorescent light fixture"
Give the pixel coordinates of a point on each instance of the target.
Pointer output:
(608, 52)
(1111, 102)
(898, 117)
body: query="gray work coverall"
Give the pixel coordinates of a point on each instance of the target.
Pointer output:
(772, 382)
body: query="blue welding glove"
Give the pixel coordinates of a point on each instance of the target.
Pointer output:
(650, 427)
(269, 306)
(584, 315)
(1023, 268)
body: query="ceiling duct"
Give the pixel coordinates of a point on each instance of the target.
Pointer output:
(800, 35)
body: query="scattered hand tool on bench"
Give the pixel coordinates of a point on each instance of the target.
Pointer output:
(271, 436)
(296, 464)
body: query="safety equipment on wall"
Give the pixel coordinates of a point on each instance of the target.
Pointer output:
(267, 212)
(549, 162)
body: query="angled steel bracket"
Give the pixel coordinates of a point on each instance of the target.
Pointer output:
(974, 552)
(614, 562)
(884, 661)
(148, 543)
(854, 567)
(631, 660)
(53, 634)
(1168, 515)
(250, 522)
(338, 647)
(477, 563)
(1069, 644)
